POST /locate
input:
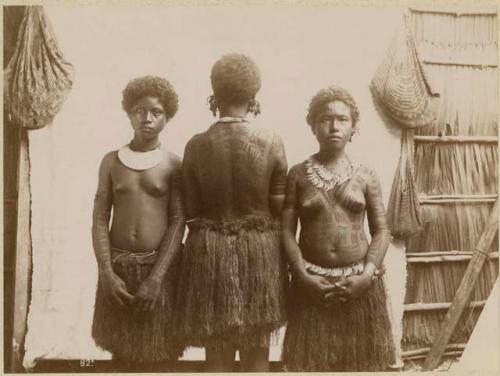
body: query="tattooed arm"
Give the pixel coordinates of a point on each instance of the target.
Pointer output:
(115, 290)
(149, 292)
(379, 229)
(289, 221)
(278, 178)
(192, 195)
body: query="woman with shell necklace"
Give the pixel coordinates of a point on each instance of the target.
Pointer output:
(141, 185)
(233, 278)
(337, 320)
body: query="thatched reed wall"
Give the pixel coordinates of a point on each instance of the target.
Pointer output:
(451, 227)
(457, 181)
(461, 169)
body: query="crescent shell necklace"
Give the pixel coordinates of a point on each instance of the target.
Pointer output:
(140, 160)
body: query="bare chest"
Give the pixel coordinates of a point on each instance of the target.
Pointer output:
(344, 202)
(153, 182)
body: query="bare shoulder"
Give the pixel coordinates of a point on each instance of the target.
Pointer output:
(172, 160)
(366, 171)
(109, 160)
(268, 140)
(193, 142)
(197, 138)
(264, 135)
(297, 172)
(104, 177)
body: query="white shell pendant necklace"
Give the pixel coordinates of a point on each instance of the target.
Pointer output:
(140, 160)
(326, 179)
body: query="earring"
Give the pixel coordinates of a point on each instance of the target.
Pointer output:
(355, 130)
(213, 104)
(254, 107)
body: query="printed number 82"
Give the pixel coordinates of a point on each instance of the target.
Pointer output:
(86, 362)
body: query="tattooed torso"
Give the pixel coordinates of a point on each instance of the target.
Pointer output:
(332, 222)
(231, 170)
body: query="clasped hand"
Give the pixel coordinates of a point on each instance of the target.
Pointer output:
(326, 293)
(116, 293)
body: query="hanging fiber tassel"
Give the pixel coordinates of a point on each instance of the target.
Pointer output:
(403, 212)
(37, 78)
(402, 93)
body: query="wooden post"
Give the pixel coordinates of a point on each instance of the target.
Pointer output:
(17, 244)
(464, 291)
(17, 214)
(10, 205)
(12, 18)
(22, 290)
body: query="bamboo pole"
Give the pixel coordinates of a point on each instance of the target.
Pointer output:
(425, 350)
(459, 63)
(445, 258)
(464, 290)
(455, 139)
(419, 307)
(482, 12)
(451, 353)
(467, 200)
(446, 253)
(458, 197)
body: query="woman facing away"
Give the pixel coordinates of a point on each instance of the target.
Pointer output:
(337, 318)
(232, 277)
(137, 258)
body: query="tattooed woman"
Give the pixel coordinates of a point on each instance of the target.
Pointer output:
(232, 278)
(337, 318)
(136, 258)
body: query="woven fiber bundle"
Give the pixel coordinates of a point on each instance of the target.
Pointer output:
(400, 86)
(403, 212)
(37, 78)
(402, 94)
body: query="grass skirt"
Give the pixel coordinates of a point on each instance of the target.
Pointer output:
(232, 284)
(351, 337)
(137, 337)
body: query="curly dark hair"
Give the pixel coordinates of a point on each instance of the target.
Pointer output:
(235, 79)
(151, 86)
(330, 94)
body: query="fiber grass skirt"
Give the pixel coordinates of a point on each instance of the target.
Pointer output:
(232, 284)
(131, 336)
(351, 337)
